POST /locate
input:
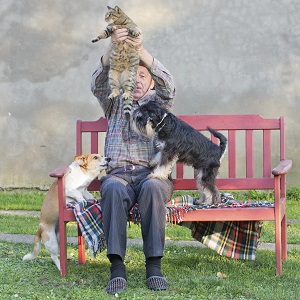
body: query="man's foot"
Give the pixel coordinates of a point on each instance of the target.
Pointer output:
(155, 280)
(117, 282)
(157, 283)
(116, 285)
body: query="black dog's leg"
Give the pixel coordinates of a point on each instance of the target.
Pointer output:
(156, 160)
(164, 167)
(207, 186)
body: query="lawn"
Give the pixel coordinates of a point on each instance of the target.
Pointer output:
(191, 271)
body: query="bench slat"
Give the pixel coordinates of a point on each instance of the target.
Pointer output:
(249, 154)
(230, 122)
(228, 184)
(231, 153)
(230, 214)
(267, 153)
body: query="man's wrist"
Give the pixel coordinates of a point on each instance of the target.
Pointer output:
(145, 57)
(105, 57)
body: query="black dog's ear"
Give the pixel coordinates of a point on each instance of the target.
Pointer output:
(150, 120)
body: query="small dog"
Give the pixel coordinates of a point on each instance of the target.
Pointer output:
(179, 142)
(81, 173)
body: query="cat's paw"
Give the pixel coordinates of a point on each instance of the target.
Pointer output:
(114, 94)
(126, 95)
(134, 32)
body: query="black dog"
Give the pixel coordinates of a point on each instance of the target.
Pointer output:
(179, 142)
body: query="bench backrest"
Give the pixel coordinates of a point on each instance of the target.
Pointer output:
(254, 144)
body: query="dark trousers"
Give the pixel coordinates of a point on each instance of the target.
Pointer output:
(119, 193)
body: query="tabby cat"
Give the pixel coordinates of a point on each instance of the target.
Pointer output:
(124, 59)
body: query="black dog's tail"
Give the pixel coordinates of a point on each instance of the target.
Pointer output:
(221, 137)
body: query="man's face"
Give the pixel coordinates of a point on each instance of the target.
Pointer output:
(144, 83)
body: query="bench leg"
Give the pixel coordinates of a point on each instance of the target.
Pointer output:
(284, 237)
(278, 246)
(81, 248)
(63, 249)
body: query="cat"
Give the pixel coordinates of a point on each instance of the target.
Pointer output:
(124, 59)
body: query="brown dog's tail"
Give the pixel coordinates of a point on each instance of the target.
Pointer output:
(221, 137)
(36, 246)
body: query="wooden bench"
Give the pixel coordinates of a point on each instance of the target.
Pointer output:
(255, 144)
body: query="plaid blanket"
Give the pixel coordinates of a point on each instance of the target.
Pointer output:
(236, 240)
(89, 217)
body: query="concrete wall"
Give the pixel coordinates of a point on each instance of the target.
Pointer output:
(226, 57)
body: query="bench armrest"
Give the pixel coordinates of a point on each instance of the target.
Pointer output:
(59, 172)
(283, 168)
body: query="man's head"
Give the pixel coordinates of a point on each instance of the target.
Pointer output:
(144, 83)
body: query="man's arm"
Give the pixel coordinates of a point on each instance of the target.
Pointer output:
(164, 83)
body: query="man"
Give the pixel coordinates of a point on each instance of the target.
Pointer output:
(126, 182)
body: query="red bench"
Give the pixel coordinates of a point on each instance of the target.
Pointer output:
(255, 145)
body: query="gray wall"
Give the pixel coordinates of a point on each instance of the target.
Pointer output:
(226, 57)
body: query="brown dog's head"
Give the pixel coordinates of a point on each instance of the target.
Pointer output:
(92, 162)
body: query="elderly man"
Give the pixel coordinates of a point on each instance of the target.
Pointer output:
(126, 182)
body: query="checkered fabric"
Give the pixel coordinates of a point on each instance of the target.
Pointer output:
(89, 217)
(236, 240)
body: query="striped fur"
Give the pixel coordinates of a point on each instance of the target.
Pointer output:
(124, 59)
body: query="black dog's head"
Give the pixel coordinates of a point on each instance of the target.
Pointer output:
(148, 118)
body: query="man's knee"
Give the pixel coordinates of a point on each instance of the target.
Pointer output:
(155, 186)
(111, 184)
(115, 193)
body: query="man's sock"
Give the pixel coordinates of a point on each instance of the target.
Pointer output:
(153, 267)
(117, 268)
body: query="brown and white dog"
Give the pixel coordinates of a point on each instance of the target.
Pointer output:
(81, 173)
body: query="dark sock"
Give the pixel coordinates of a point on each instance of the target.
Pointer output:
(117, 268)
(153, 266)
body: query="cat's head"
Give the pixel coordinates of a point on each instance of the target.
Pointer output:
(113, 14)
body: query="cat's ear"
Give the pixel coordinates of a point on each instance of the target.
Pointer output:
(117, 9)
(110, 8)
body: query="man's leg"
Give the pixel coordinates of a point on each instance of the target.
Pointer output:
(115, 203)
(153, 195)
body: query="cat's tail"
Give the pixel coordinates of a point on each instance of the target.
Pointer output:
(127, 109)
(127, 103)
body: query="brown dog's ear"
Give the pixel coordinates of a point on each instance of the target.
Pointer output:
(81, 159)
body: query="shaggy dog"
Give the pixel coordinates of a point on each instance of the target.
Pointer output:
(179, 142)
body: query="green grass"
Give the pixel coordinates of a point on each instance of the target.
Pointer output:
(191, 272)
(24, 200)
